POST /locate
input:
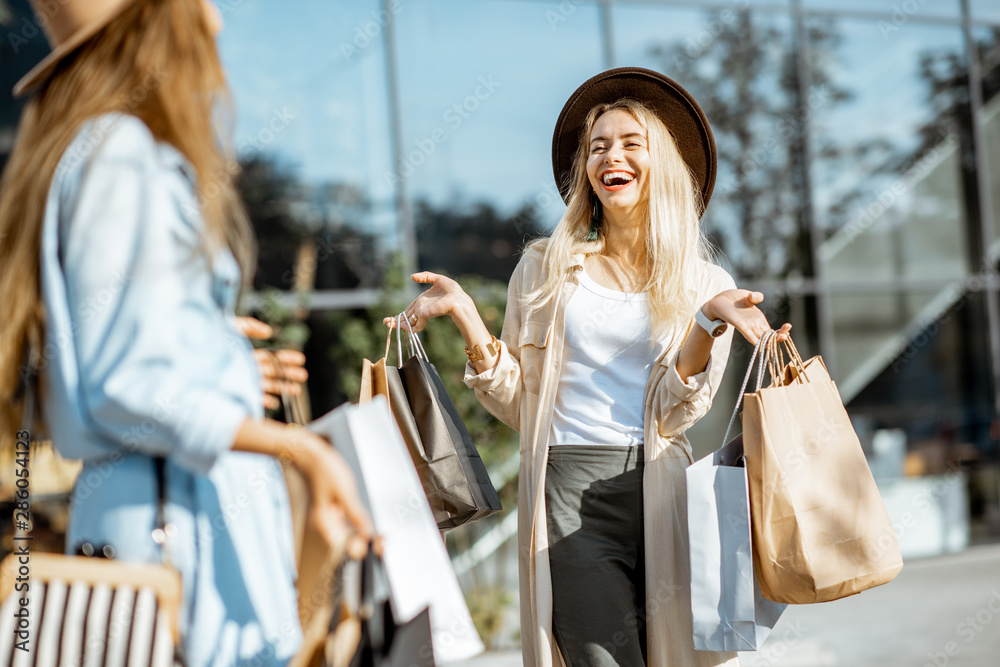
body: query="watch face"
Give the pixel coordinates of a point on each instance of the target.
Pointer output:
(719, 330)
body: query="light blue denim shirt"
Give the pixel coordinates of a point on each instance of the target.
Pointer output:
(142, 359)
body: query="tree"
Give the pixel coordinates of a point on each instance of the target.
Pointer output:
(269, 191)
(473, 240)
(748, 80)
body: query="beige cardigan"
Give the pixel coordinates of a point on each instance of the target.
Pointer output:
(520, 392)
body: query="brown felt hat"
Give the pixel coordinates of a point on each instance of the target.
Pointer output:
(664, 96)
(67, 24)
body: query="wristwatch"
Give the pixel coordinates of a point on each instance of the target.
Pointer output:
(715, 328)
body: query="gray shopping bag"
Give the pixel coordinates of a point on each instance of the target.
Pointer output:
(729, 612)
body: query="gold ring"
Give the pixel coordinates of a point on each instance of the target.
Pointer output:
(413, 318)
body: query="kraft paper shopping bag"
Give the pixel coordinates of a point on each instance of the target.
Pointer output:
(820, 529)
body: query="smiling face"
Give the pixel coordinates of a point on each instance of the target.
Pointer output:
(618, 160)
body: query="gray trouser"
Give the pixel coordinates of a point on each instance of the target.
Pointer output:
(593, 499)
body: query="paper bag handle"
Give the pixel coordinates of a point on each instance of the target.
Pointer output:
(777, 351)
(400, 319)
(414, 344)
(762, 342)
(292, 405)
(388, 343)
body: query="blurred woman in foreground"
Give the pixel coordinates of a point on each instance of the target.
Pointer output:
(124, 249)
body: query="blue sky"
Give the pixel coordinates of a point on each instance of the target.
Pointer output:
(501, 149)
(324, 64)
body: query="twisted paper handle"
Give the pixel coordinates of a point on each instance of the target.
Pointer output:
(760, 348)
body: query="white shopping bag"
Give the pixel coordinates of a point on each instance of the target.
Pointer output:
(416, 562)
(729, 612)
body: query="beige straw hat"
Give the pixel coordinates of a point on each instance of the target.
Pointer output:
(67, 24)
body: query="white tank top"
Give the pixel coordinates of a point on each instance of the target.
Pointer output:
(609, 353)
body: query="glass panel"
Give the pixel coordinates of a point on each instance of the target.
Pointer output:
(920, 237)
(24, 46)
(985, 10)
(886, 168)
(898, 13)
(988, 44)
(739, 71)
(936, 386)
(876, 330)
(313, 136)
(481, 85)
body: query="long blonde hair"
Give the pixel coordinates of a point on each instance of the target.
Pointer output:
(676, 248)
(157, 61)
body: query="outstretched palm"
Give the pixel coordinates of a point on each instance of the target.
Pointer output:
(738, 307)
(441, 299)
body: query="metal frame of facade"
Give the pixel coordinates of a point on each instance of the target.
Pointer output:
(816, 286)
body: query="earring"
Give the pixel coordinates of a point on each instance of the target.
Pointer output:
(596, 217)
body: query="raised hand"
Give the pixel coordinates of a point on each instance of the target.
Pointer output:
(292, 364)
(738, 308)
(445, 297)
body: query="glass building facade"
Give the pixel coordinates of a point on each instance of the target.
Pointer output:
(858, 183)
(858, 178)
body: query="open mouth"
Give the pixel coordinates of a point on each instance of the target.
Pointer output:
(616, 180)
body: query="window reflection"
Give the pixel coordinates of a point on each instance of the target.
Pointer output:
(914, 227)
(889, 178)
(988, 45)
(896, 102)
(868, 327)
(882, 105)
(481, 89)
(897, 13)
(23, 45)
(313, 137)
(740, 68)
(936, 384)
(985, 10)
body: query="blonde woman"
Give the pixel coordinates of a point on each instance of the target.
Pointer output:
(123, 248)
(616, 335)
